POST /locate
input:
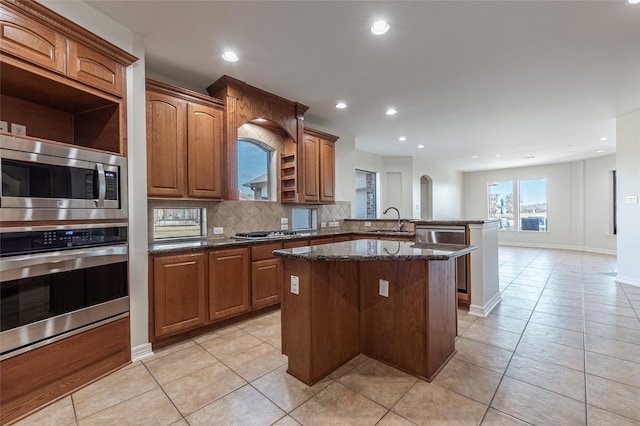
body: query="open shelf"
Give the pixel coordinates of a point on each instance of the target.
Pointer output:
(288, 179)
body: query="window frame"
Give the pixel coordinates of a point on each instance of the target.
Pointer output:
(500, 216)
(271, 173)
(203, 224)
(544, 224)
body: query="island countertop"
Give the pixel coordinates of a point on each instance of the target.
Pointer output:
(376, 250)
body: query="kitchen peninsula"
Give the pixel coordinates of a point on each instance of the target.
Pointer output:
(394, 301)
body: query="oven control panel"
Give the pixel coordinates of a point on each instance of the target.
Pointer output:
(28, 242)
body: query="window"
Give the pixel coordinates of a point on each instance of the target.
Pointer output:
(533, 205)
(501, 204)
(365, 194)
(254, 171)
(304, 218)
(179, 223)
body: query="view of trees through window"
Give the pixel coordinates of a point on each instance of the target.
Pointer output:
(254, 180)
(531, 199)
(501, 204)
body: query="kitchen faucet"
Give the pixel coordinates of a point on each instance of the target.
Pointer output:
(400, 224)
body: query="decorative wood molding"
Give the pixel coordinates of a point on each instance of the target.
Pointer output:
(321, 135)
(187, 95)
(69, 29)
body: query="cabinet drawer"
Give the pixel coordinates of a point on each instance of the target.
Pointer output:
(322, 241)
(294, 244)
(90, 67)
(31, 41)
(342, 238)
(264, 252)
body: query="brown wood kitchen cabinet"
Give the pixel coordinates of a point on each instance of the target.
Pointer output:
(228, 282)
(266, 275)
(184, 143)
(62, 82)
(179, 292)
(317, 152)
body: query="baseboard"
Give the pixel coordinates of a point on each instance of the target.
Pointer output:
(141, 351)
(628, 280)
(558, 247)
(484, 311)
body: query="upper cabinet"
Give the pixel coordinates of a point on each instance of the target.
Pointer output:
(184, 143)
(62, 82)
(317, 157)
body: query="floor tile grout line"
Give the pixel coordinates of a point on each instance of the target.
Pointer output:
(165, 393)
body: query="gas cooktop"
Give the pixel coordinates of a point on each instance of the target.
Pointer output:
(264, 234)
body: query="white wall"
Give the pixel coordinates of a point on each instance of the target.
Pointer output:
(94, 21)
(578, 195)
(447, 190)
(628, 167)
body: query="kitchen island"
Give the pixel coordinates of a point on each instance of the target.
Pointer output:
(391, 300)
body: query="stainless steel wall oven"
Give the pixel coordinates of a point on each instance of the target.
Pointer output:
(46, 181)
(60, 280)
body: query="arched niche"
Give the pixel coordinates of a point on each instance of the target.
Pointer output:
(248, 104)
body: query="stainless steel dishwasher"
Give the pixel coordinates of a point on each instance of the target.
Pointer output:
(447, 235)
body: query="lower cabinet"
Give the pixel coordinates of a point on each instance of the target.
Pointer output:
(179, 283)
(228, 282)
(266, 275)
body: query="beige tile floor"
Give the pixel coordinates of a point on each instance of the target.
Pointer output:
(562, 348)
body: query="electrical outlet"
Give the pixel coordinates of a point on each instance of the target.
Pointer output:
(383, 288)
(323, 224)
(631, 199)
(367, 224)
(284, 227)
(18, 129)
(284, 220)
(295, 284)
(217, 230)
(4, 127)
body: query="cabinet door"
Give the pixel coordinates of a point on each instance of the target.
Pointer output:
(31, 41)
(310, 172)
(228, 283)
(179, 292)
(165, 145)
(204, 151)
(90, 67)
(327, 171)
(266, 282)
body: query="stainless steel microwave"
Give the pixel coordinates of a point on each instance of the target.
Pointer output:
(45, 181)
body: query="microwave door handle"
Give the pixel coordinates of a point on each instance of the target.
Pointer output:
(102, 185)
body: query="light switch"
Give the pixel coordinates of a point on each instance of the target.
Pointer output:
(218, 230)
(295, 284)
(383, 288)
(367, 224)
(631, 199)
(4, 127)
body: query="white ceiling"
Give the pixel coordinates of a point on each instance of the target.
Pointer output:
(519, 78)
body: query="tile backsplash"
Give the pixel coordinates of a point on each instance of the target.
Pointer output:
(247, 216)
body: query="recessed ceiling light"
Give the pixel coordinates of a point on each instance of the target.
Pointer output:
(529, 157)
(402, 138)
(341, 105)
(633, 1)
(603, 138)
(230, 56)
(420, 146)
(392, 111)
(497, 155)
(379, 27)
(600, 151)
(474, 156)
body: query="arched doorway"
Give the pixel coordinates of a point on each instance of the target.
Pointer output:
(426, 198)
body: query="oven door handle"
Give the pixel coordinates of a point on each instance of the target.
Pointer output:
(102, 185)
(31, 265)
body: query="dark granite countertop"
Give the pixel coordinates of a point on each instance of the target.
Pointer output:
(186, 245)
(375, 250)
